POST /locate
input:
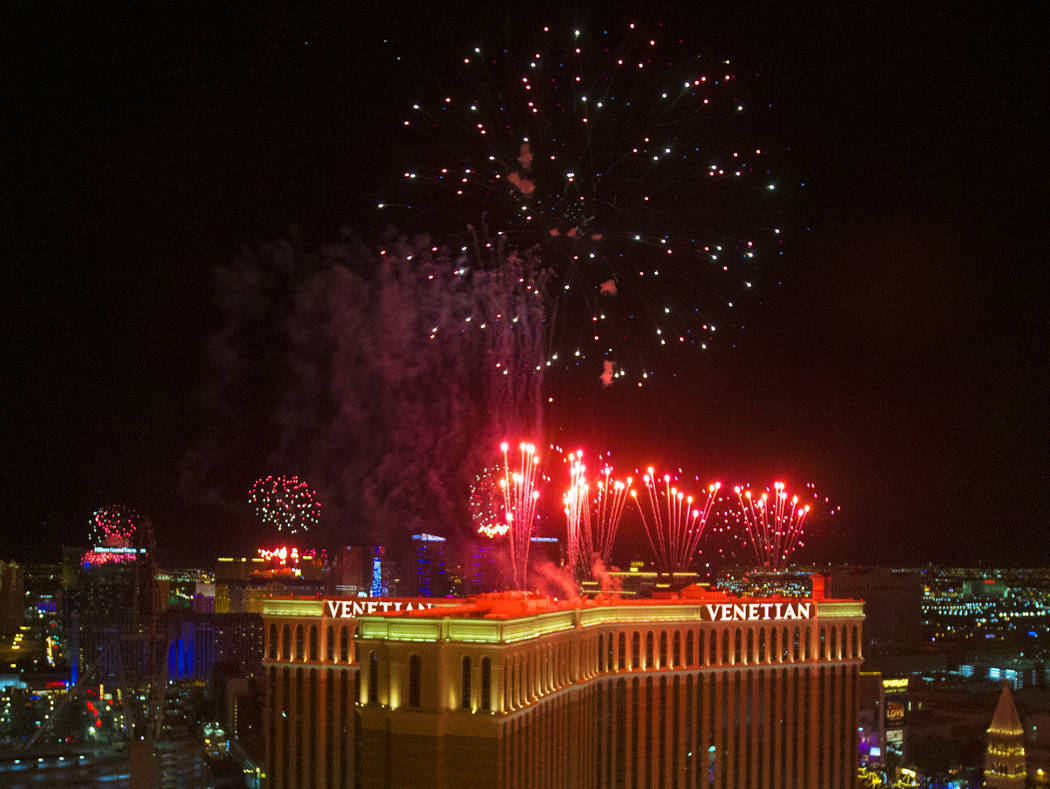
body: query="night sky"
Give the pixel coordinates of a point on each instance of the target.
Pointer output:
(901, 364)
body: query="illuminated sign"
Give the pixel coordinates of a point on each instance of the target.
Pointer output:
(348, 609)
(750, 612)
(895, 684)
(894, 712)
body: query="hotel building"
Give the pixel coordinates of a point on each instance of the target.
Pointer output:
(701, 689)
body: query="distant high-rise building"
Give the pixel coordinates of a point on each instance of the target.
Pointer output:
(482, 570)
(110, 610)
(512, 690)
(197, 642)
(12, 597)
(544, 550)
(349, 574)
(429, 557)
(892, 608)
(1004, 761)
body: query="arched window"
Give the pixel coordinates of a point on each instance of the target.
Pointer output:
(797, 648)
(725, 647)
(854, 652)
(344, 645)
(749, 654)
(313, 642)
(649, 642)
(464, 702)
(785, 645)
(621, 660)
(601, 652)
(414, 690)
(486, 684)
(676, 652)
(329, 640)
(712, 648)
(690, 655)
(822, 653)
(300, 645)
(272, 652)
(373, 678)
(834, 651)
(286, 643)
(636, 650)
(609, 652)
(663, 649)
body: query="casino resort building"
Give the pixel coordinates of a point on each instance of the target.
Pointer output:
(701, 689)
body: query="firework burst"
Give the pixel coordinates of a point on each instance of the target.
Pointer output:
(519, 501)
(114, 526)
(287, 503)
(592, 513)
(486, 503)
(775, 521)
(672, 524)
(633, 167)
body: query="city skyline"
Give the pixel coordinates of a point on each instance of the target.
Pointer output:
(897, 366)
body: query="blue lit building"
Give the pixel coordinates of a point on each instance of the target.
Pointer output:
(428, 552)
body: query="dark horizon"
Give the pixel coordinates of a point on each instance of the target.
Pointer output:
(900, 365)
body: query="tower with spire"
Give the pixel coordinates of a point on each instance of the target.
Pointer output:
(1004, 762)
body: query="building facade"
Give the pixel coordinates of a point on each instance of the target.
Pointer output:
(892, 608)
(700, 690)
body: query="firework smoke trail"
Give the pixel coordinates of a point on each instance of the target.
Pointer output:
(674, 527)
(774, 526)
(519, 497)
(592, 523)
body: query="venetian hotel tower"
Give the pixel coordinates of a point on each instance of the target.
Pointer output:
(699, 690)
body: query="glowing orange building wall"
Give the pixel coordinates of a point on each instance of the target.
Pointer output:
(705, 690)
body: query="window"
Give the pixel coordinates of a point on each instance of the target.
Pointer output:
(373, 678)
(486, 684)
(601, 652)
(689, 654)
(286, 642)
(676, 655)
(344, 645)
(273, 642)
(330, 644)
(636, 650)
(622, 657)
(414, 690)
(313, 642)
(649, 649)
(663, 649)
(465, 687)
(300, 650)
